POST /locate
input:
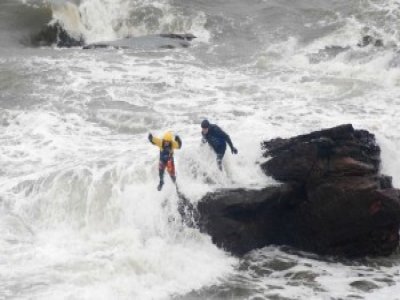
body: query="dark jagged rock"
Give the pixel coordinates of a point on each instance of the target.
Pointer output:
(333, 152)
(333, 200)
(55, 35)
(241, 220)
(182, 36)
(368, 40)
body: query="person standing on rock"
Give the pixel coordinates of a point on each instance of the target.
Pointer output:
(217, 139)
(167, 146)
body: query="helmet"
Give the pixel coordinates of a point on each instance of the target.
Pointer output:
(205, 124)
(168, 136)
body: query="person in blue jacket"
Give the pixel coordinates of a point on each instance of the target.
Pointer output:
(217, 139)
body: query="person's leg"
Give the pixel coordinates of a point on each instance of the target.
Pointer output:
(161, 170)
(220, 155)
(219, 160)
(171, 169)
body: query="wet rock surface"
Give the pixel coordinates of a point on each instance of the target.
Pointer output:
(149, 42)
(54, 34)
(332, 199)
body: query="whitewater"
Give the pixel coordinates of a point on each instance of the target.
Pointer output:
(80, 215)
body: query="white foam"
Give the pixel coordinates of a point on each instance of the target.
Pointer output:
(108, 20)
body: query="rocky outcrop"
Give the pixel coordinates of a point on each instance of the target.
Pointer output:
(54, 34)
(331, 200)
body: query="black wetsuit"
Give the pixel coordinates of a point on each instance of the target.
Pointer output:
(217, 138)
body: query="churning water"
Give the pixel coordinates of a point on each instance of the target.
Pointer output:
(80, 216)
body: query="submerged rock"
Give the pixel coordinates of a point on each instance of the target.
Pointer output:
(332, 199)
(329, 52)
(185, 36)
(156, 41)
(368, 40)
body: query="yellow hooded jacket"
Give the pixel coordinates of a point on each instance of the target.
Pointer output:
(168, 137)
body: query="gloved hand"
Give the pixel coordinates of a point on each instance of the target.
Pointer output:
(178, 140)
(234, 150)
(150, 137)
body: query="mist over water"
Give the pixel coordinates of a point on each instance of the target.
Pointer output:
(80, 216)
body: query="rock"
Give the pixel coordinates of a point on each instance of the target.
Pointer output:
(55, 35)
(242, 220)
(182, 36)
(332, 199)
(370, 40)
(332, 151)
(149, 42)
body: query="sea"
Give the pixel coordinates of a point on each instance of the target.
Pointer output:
(80, 214)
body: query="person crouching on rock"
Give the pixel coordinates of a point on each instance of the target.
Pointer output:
(217, 139)
(167, 146)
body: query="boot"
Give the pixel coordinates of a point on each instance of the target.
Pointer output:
(219, 163)
(160, 185)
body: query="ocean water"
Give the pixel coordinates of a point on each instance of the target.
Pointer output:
(80, 216)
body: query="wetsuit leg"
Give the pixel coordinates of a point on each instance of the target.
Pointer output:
(220, 156)
(219, 148)
(171, 169)
(219, 161)
(161, 170)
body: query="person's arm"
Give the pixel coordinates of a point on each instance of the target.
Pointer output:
(226, 137)
(203, 138)
(154, 140)
(177, 144)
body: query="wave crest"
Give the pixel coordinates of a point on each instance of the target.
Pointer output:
(102, 20)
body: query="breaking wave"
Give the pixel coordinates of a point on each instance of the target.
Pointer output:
(106, 20)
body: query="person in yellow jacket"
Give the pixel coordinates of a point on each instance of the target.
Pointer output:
(167, 146)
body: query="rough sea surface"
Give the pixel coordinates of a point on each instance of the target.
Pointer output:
(80, 216)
